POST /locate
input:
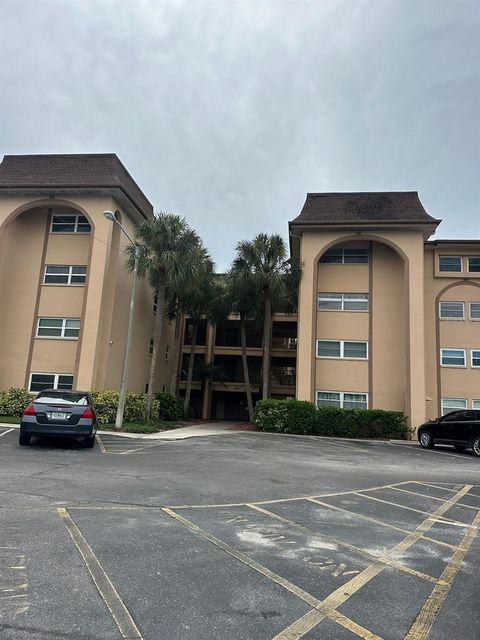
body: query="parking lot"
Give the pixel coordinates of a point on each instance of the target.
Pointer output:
(244, 536)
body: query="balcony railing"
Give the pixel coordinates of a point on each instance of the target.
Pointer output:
(283, 376)
(284, 343)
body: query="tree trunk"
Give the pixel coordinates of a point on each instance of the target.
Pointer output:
(246, 376)
(157, 334)
(267, 333)
(190, 368)
(175, 354)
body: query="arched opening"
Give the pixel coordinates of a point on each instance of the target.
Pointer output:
(44, 245)
(361, 324)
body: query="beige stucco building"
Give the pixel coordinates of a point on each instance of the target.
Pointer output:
(64, 289)
(387, 318)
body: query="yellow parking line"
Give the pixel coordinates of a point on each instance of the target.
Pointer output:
(402, 506)
(424, 495)
(380, 522)
(302, 626)
(107, 591)
(346, 545)
(352, 626)
(100, 444)
(422, 626)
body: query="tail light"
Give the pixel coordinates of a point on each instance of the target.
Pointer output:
(88, 413)
(30, 411)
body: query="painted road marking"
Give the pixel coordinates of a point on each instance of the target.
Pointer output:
(306, 623)
(5, 432)
(422, 626)
(425, 495)
(105, 588)
(100, 444)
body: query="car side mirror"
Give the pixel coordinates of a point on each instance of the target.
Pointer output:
(99, 408)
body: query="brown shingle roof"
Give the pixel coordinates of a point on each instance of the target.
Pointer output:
(75, 171)
(341, 208)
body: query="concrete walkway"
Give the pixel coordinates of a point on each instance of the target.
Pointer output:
(192, 431)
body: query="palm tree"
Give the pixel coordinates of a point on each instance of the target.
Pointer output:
(204, 301)
(263, 261)
(242, 294)
(169, 251)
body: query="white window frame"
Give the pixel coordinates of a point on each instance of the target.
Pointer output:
(474, 366)
(445, 410)
(55, 379)
(470, 310)
(468, 263)
(476, 404)
(461, 366)
(63, 328)
(447, 270)
(68, 274)
(442, 317)
(75, 217)
(328, 297)
(362, 251)
(342, 349)
(342, 395)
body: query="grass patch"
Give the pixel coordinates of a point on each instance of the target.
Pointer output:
(150, 426)
(11, 419)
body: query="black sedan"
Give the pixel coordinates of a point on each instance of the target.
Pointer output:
(458, 428)
(59, 413)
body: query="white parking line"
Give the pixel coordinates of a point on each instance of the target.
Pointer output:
(5, 432)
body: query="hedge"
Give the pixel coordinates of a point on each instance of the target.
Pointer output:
(13, 401)
(170, 406)
(134, 406)
(301, 417)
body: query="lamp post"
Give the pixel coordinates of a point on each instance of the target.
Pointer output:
(109, 215)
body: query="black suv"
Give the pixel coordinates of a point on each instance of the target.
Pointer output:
(458, 428)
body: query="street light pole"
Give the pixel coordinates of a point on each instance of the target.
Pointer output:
(109, 215)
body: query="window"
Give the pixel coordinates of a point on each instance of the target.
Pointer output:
(450, 263)
(450, 404)
(40, 381)
(167, 349)
(342, 349)
(452, 357)
(343, 255)
(64, 274)
(451, 310)
(474, 310)
(150, 348)
(70, 224)
(58, 327)
(476, 404)
(475, 357)
(343, 301)
(342, 399)
(474, 263)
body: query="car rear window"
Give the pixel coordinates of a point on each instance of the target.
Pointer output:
(62, 398)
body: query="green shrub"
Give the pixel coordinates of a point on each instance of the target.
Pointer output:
(271, 415)
(301, 417)
(170, 406)
(134, 410)
(13, 401)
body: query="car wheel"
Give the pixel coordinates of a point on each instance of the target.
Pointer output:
(24, 440)
(476, 446)
(426, 440)
(460, 448)
(90, 442)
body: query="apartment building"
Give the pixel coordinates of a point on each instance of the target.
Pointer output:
(387, 317)
(64, 289)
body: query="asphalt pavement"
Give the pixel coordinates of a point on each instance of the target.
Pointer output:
(239, 536)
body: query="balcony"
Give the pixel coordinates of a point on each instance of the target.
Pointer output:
(284, 343)
(283, 376)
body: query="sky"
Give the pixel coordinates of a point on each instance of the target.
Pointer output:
(229, 111)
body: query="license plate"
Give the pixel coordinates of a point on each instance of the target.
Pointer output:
(55, 415)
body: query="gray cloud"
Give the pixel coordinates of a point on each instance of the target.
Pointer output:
(228, 112)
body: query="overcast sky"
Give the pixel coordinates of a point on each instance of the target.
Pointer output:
(229, 111)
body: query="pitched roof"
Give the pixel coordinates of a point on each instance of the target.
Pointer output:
(85, 172)
(363, 207)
